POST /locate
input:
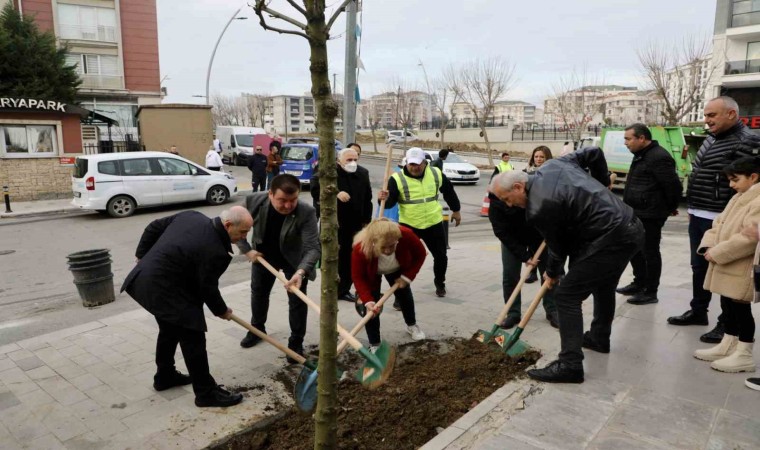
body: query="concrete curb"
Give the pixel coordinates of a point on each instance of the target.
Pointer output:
(46, 212)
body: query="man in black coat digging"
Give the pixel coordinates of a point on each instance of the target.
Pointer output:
(179, 261)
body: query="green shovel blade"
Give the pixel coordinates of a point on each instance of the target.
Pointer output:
(486, 336)
(305, 390)
(501, 338)
(515, 346)
(378, 366)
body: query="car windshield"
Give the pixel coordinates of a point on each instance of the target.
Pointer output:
(454, 158)
(296, 153)
(244, 140)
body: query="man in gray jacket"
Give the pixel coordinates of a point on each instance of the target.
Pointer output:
(285, 233)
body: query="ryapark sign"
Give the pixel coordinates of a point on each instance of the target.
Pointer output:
(31, 103)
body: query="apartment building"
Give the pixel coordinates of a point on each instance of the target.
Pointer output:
(629, 107)
(114, 44)
(584, 102)
(393, 108)
(683, 81)
(295, 114)
(736, 56)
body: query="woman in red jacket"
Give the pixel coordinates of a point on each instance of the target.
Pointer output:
(386, 248)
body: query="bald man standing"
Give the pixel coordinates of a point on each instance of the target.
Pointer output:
(179, 261)
(708, 194)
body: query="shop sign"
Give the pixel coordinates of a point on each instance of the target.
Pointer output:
(31, 103)
(67, 160)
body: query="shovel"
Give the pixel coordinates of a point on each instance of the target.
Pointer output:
(377, 367)
(496, 332)
(367, 317)
(514, 346)
(381, 211)
(305, 390)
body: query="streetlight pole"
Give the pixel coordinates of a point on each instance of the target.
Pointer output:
(213, 53)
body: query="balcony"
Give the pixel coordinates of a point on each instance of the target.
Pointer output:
(112, 82)
(738, 74)
(88, 33)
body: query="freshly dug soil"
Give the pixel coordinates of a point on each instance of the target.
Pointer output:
(434, 383)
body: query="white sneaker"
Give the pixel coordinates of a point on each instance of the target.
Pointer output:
(415, 332)
(373, 348)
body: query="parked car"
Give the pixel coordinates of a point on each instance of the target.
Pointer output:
(300, 160)
(396, 136)
(456, 169)
(312, 140)
(238, 143)
(119, 183)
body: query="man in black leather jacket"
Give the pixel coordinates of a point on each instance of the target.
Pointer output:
(582, 220)
(708, 193)
(652, 189)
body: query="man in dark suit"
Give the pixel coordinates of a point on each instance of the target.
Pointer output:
(257, 164)
(179, 261)
(354, 212)
(285, 233)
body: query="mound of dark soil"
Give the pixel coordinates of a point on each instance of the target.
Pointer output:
(434, 383)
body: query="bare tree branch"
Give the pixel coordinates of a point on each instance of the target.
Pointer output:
(297, 7)
(337, 13)
(260, 8)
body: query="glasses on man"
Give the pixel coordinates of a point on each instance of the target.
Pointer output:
(258, 149)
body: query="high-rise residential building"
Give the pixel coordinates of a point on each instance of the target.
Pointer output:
(516, 111)
(736, 56)
(580, 106)
(295, 114)
(114, 44)
(690, 79)
(393, 108)
(628, 107)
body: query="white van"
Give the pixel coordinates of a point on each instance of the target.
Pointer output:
(238, 143)
(118, 183)
(397, 136)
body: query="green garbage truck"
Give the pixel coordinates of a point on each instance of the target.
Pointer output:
(681, 142)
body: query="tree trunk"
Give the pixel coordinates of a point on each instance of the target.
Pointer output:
(326, 414)
(374, 140)
(443, 131)
(488, 143)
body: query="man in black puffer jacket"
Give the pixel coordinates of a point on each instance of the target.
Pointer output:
(580, 219)
(707, 195)
(652, 189)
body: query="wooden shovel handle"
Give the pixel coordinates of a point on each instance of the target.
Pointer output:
(385, 180)
(518, 288)
(367, 317)
(533, 305)
(352, 341)
(269, 339)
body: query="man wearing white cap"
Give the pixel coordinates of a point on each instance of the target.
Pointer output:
(416, 189)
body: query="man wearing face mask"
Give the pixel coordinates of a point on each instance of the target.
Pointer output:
(354, 212)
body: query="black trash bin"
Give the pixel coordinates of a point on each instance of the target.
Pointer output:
(92, 276)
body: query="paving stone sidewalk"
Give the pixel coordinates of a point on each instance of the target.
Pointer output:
(89, 387)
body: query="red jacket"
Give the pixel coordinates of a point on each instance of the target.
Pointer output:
(410, 254)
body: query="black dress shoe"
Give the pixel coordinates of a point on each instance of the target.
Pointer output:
(164, 382)
(715, 335)
(592, 344)
(690, 317)
(349, 297)
(298, 350)
(630, 289)
(396, 305)
(553, 319)
(218, 397)
(557, 372)
(250, 340)
(532, 278)
(440, 291)
(643, 298)
(509, 322)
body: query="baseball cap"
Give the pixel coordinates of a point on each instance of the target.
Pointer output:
(415, 155)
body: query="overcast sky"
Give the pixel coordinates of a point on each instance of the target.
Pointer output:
(543, 38)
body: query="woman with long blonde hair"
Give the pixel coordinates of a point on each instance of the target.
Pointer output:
(385, 248)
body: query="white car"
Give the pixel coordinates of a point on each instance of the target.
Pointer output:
(118, 183)
(397, 136)
(456, 169)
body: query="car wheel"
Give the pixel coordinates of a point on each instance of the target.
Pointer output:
(217, 195)
(235, 160)
(121, 206)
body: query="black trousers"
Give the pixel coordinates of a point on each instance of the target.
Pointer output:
(596, 274)
(345, 248)
(435, 239)
(701, 297)
(406, 301)
(647, 264)
(193, 345)
(262, 282)
(259, 182)
(738, 319)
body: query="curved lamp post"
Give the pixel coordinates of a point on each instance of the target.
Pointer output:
(213, 53)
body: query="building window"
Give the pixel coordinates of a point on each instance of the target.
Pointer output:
(87, 23)
(97, 71)
(745, 12)
(28, 140)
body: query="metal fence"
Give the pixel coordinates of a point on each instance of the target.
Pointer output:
(466, 122)
(112, 147)
(551, 133)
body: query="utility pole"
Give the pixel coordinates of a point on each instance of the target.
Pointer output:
(349, 83)
(335, 82)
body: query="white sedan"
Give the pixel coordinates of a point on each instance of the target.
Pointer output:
(457, 169)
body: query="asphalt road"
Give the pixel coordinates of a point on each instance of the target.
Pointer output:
(37, 293)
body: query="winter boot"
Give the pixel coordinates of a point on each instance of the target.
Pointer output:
(738, 361)
(725, 348)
